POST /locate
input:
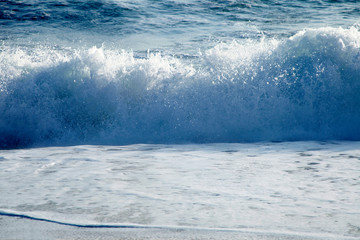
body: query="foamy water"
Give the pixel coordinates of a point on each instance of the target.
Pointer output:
(305, 188)
(163, 115)
(300, 88)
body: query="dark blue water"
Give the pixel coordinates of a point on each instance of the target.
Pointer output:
(170, 23)
(119, 72)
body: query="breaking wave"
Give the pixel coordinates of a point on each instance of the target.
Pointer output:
(306, 87)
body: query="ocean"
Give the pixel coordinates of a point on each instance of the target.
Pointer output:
(239, 116)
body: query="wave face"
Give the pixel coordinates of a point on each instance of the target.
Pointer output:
(306, 87)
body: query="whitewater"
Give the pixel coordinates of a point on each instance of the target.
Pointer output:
(302, 88)
(213, 118)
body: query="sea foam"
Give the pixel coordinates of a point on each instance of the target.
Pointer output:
(305, 87)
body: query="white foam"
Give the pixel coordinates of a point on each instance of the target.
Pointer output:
(304, 187)
(301, 88)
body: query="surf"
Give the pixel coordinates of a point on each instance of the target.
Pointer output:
(304, 87)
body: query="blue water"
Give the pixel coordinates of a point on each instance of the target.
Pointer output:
(182, 71)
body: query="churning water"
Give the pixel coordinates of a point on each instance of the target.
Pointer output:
(112, 72)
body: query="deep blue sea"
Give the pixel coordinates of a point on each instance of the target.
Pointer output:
(181, 71)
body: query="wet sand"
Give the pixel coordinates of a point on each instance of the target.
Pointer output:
(21, 228)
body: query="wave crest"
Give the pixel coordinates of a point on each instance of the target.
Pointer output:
(301, 88)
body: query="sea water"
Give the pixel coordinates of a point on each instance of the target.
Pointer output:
(298, 188)
(166, 113)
